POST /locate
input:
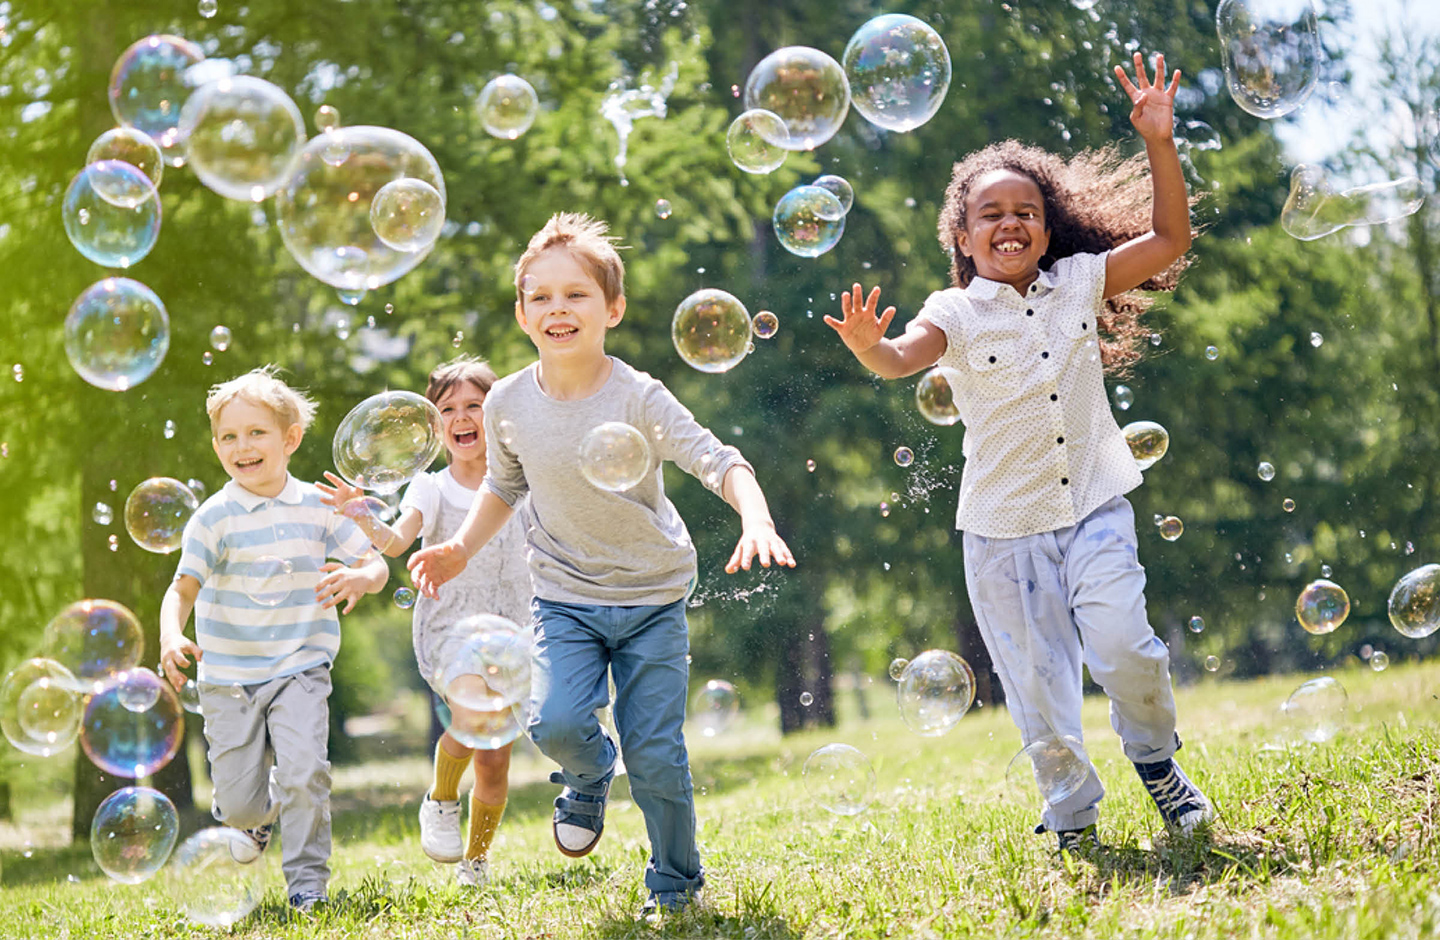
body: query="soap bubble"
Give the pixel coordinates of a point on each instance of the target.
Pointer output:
(1315, 711)
(840, 187)
(839, 778)
(1314, 210)
(1414, 605)
(1171, 528)
(40, 707)
(715, 707)
(1271, 53)
(116, 334)
(1212, 353)
(1197, 624)
(1266, 471)
(208, 881)
(935, 396)
(489, 647)
(765, 324)
(810, 466)
(207, 8)
(662, 208)
(809, 221)
(94, 638)
(614, 456)
(897, 667)
(1379, 661)
(898, 70)
(242, 136)
(127, 742)
(327, 118)
(369, 513)
(324, 209)
(133, 832)
(128, 145)
(1288, 504)
(408, 214)
(1212, 663)
(904, 456)
(387, 439)
(156, 512)
(148, 89)
(267, 580)
(485, 731)
(351, 298)
(404, 598)
(711, 330)
(1322, 606)
(1148, 442)
(220, 338)
(806, 88)
(1058, 765)
(1124, 398)
(806, 699)
(112, 213)
(507, 106)
(190, 697)
(749, 141)
(102, 514)
(1201, 136)
(197, 487)
(936, 689)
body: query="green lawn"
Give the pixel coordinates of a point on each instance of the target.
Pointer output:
(1334, 840)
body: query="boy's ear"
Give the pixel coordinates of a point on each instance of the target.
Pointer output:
(293, 435)
(520, 314)
(617, 311)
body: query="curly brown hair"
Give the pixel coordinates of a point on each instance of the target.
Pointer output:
(1094, 201)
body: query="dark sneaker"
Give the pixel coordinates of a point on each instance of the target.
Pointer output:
(662, 903)
(1180, 802)
(1076, 841)
(579, 819)
(252, 846)
(305, 902)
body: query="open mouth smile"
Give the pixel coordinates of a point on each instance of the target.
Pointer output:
(466, 438)
(249, 463)
(561, 332)
(1010, 246)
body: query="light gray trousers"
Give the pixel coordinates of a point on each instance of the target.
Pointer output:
(268, 746)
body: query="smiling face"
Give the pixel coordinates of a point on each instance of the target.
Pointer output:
(565, 315)
(462, 416)
(252, 446)
(1005, 231)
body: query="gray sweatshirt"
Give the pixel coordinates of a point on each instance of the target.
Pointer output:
(586, 545)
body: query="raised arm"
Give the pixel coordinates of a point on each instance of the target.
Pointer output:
(1153, 116)
(433, 566)
(863, 332)
(393, 540)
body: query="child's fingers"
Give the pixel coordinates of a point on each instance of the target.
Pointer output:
(1174, 84)
(833, 323)
(873, 301)
(1125, 83)
(886, 317)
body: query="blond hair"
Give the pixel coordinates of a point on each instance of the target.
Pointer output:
(586, 239)
(262, 387)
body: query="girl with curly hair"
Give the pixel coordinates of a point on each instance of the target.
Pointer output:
(1046, 254)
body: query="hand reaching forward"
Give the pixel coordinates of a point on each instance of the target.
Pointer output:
(1154, 111)
(338, 493)
(763, 541)
(860, 328)
(433, 566)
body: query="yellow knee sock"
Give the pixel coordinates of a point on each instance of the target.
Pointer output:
(484, 820)
(448, 771)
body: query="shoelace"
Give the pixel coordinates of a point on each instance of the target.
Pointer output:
(1172, 793)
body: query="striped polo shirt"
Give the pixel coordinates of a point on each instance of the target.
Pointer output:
(258, 559)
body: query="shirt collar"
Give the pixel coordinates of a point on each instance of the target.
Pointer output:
(982, 288)
(290, 495)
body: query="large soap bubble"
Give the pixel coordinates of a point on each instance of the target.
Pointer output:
(507, 106)
(125, 736)
(148, 88)
(935, 690)
(208, 880)
(128, 145)
(112, 213)
(387, 439)
(242, 136)
(1058, 765)
(809, 221)
(494, 650)
(839, 778)
(1322, 606)
(806, 88)
(1314, 209)
(485, 731)
(1414, 605)
(156, 512)
(1148, 442)
(935, 396)
(408, 214)
(1271, 53)
(94, 639)
(40, 707)
(711, 330)
(749, 141)
(898, 69)
(1315, 712)
(133, 832)
(715, 707)
(116, 333)
(324, 211)
(614, 456)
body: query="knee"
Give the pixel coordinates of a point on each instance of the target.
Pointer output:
(242, 809)
(559, 730)
(492, 765)
(659, 769)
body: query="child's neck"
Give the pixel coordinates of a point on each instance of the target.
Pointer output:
(469, 473)
(571, 378)
(269, 490)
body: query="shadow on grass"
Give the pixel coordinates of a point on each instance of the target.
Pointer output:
(1211, 855)
(759, 916)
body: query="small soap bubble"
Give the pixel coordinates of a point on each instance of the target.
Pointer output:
(806, 88)
(1124, 397)
(18, 371)
(1288, 505)
(1197, 624)
(884, 509)
(220, 338)
(1322, 606)
(839, 778)
(935, 396)
(1266, 471)
(1414, 605)
(810, 466)
(169, 430)
(1154, 339)
(102, 514)
(207, 357)
(1316, 339)
(387, 439)
(1315, 712)
(711, 330)
(662, 208)
(806, 699)
(897, 668)
(808, 221)
(715, 707)
(842, 190)
(1379, 661)
(1058, 765)
(133, 832)
(505, 431)
(1171, 528)
(190, 697)
(1212, 353)
(407, 214)
(1325, 571)
(327, 118)
(904, 456)
(898, 71)
(749, 141)
(141, 694)
(350, 297)
(1148, 442)
(1212, 663)
(198, 488)
(765, 324)
(935, 691)
(404, 598)
(507, 106)
(113, 543)
(156, 512)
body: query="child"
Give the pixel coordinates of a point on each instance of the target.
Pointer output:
(497, 581)
(1040, 247)
(253, 566)
(610, 569)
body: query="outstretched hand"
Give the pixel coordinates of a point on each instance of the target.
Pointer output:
(763, 542)
(1154, 112)
(433, 566)
(338, 493)
(860, 328)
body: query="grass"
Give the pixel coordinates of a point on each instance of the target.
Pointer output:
(1332, 840)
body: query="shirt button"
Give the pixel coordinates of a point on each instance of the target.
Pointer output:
(1084, 326)
(992, 358)
(1044, 355)
(1029, 313)
(1064, 481)
(1059, 440)
(1054, 397)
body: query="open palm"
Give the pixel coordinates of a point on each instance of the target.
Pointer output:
(1153, 113)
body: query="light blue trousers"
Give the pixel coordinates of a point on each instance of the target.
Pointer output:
(1046, 605)
(644, 649)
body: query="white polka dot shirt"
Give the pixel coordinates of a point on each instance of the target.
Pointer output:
(1042, 449)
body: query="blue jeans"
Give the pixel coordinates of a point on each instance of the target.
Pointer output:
(645, 649)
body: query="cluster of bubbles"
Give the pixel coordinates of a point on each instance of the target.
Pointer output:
(839, 777)
(1314, 209)
(614, 456)
(715, 707)
(934, 691)
(387, 439)
(1148, 442)
(156, 512)
(483, 676)
(712, 330)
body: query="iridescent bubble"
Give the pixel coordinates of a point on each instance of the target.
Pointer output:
(840, 187)
(1379, 661)
(1325, 571)
(1212, 353)
(749, 141)
(765, 325)
(662, 208)
(1171, 528)
(1212, 663)
(268, 580)
(40, 707)
(935, 396)
(94, 638)
(116, 334)
(1124, 398)
(808, 221)
(1315, 711)
(1271, 53)
(207, 8)
(404, 598)
(806, 699)
(507, 106)
(156, 512)
(897, 667)
(839, 778)
(1197, 624)
(898, 70)
(198, 488)
(1314, 210)
(936, 690)
(112, 213)
(102, 514)
(1288, 504)
(1266, 471)
(327, 118)
(133, 832)
(190, 697)
(1148, 442)
(408, 214)
(220, 338)
(614, 456)
(387, 439)
(128, 145)
(483, 664)
(170, 429)
(711, 330)
(1322, 606)
(324, 209)
(208, 880)
(904, 456)
(1058, 765)
(125, 741)
(1414, 605)
(806, 88)
(207, 357)
(715, 707)
(242, 136)
(148, 89)
(1201, 136)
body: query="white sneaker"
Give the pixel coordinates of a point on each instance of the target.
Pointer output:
(472, 872)
(440, 830)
